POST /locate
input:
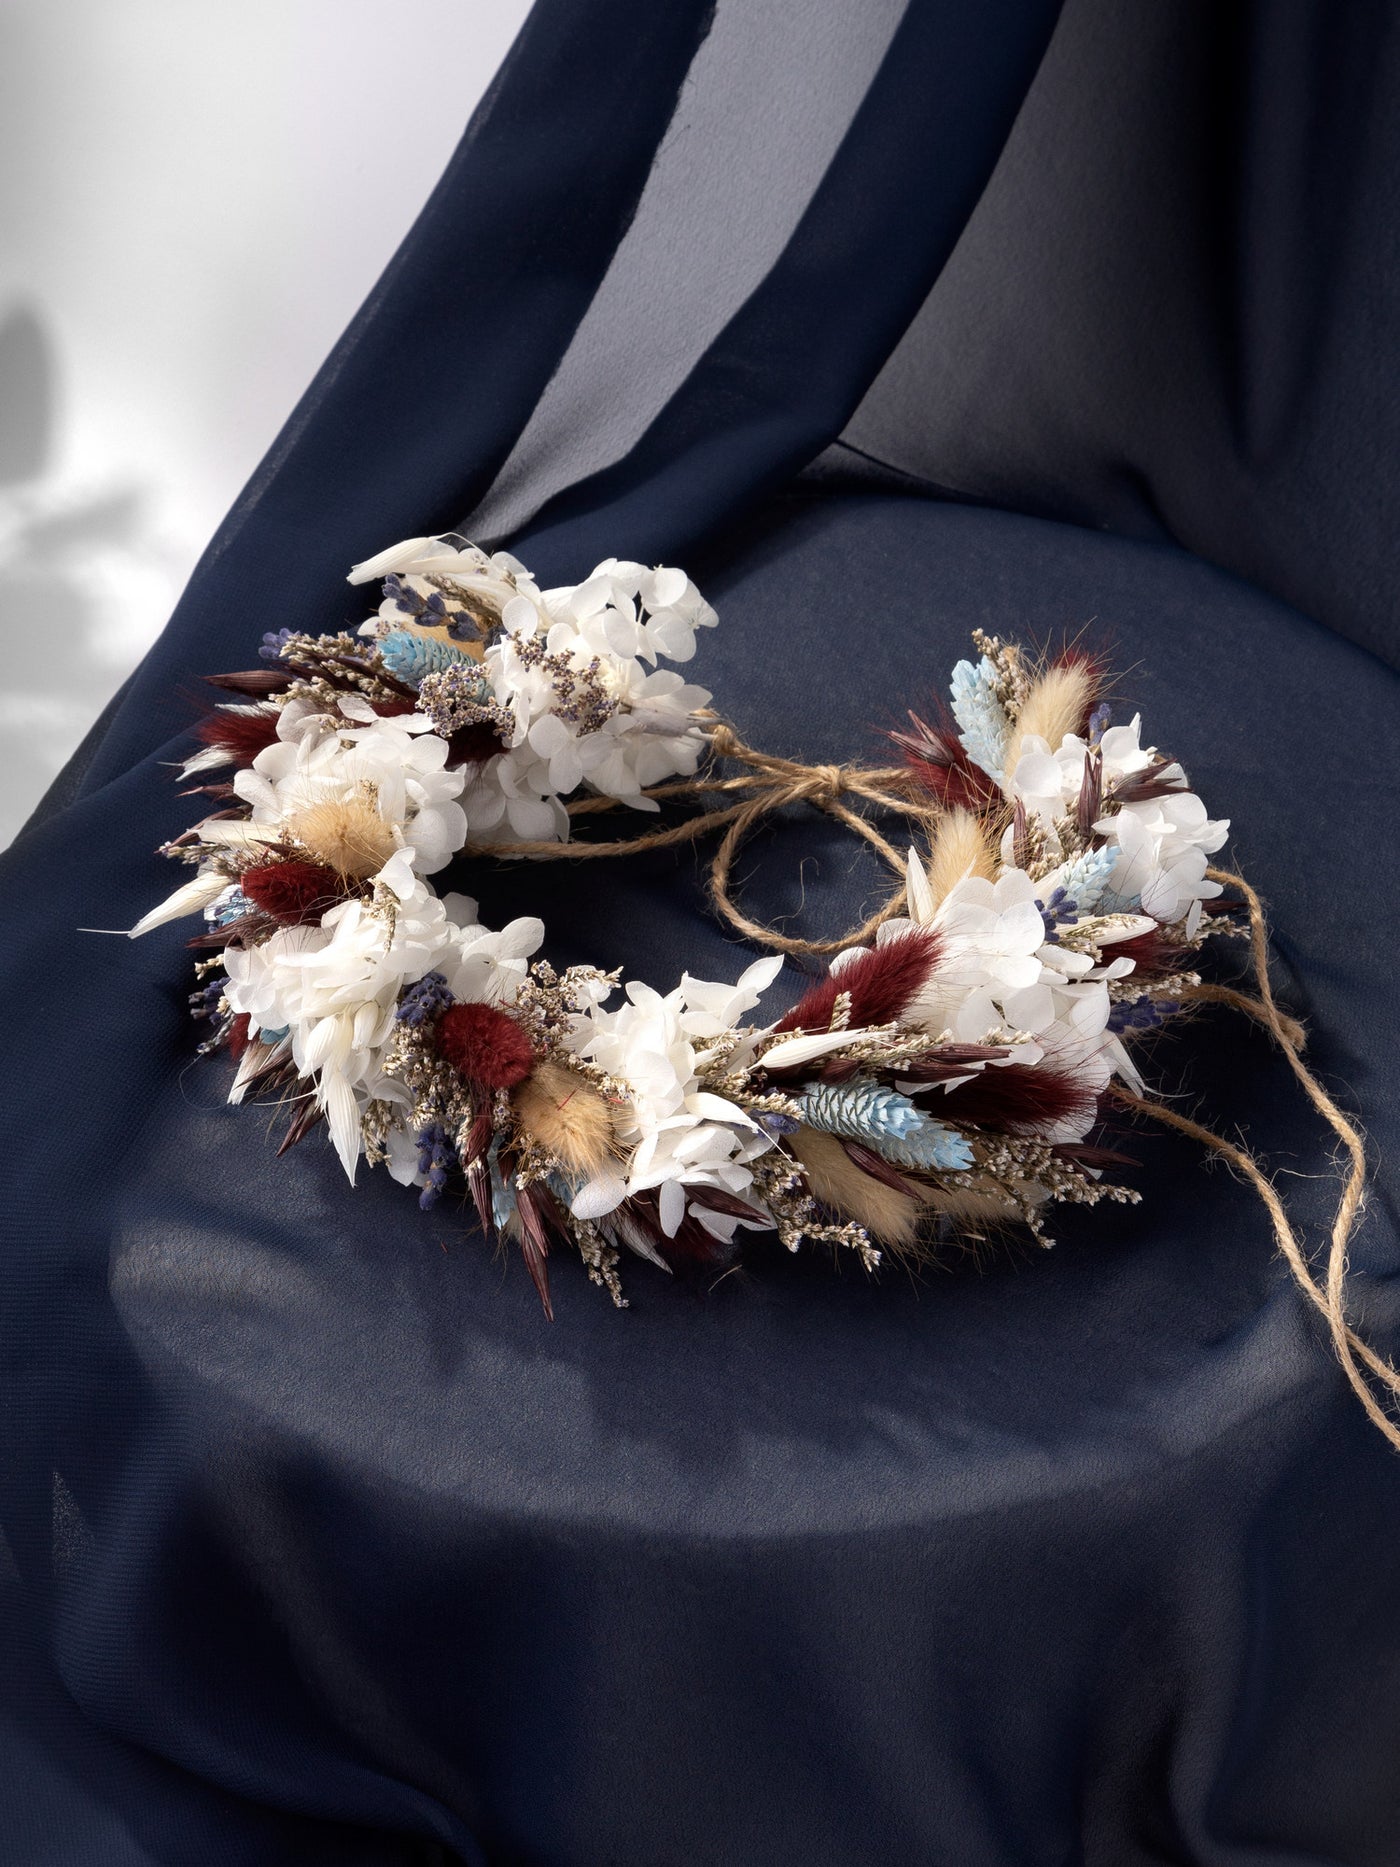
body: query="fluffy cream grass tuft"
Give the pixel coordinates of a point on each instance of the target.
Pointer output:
(566, 1117)
(1058, 702)
(960, 848)
(347, 834)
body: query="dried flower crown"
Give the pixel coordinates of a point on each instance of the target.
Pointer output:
(946, 1073)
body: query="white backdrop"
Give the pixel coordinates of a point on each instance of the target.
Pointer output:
(194, 198)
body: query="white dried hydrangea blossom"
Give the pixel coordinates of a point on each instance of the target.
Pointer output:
(574, 669)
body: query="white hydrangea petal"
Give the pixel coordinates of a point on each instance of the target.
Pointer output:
(599, 1196)
(671, 1205)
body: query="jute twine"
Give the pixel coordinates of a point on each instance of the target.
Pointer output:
(768, 784)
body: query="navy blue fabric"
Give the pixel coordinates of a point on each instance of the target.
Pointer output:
(319, 1544)
(1173, 313)
(790, 367)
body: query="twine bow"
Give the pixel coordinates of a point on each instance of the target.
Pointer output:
(768, 784)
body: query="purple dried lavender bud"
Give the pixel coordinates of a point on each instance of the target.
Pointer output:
(424, 1000)
(397, 592)
(274, 643)
(1137, 1014)
(205, 1002)
(1098, 722)
(774, 1122)
(1061, 910)
(435, 1155)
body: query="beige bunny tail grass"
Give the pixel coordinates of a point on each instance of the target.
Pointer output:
(890, 1217)
(960, 848)
(567, 1117)
(1057, 704)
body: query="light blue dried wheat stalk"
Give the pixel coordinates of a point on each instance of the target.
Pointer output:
(865, 1110)
(985, 727)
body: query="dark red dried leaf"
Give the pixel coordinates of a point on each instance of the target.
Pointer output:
(1152, 954)
(479, 1186)
(270, 1076)
(691, 1247)
(937, 1066)
(878, 1167)
(257, 683)
(220, 792)
(232, 933)
(839, 1070)
(1089, 806)
(1140, 787)
(715, 1199)
(534, 1241)
(303, 1121)
(478, 1136)
(938, 760)
(1022, 853)
(1081, 1156)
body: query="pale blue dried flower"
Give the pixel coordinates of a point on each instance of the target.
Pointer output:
(409, 658)
(985, 727)
(865, 1110)
(502, 1193)
(1084, 878)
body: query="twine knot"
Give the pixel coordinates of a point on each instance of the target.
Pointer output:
(764, 785)
(827, 781)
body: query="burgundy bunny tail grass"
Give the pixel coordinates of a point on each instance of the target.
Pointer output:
(882, 983)
(1020, 1099)
(295, 894)
(241, 733)
(937, 759)
(487, 1046)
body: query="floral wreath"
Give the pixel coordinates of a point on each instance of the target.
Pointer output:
(944, 1076)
